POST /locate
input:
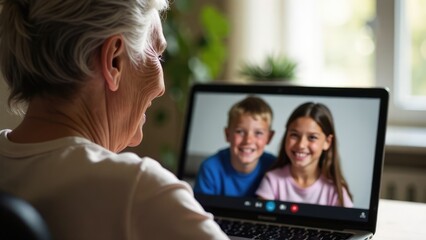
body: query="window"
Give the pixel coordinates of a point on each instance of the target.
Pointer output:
(348, 42)
(410, 49)
(401, 59)
(341, 43)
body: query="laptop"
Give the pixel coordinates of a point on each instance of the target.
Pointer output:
(360, 117)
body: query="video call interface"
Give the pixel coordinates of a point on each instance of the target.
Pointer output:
(355, 121)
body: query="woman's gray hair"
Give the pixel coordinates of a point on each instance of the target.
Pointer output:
(47, 45)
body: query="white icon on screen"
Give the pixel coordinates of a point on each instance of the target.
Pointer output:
(247, 203)
(282, 207)
(258, 204)
(362, 215)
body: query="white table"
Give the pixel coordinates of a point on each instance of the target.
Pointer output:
(399, 220)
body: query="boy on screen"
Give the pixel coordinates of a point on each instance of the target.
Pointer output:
(238, 169)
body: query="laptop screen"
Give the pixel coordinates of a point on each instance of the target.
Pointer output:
(359, 119)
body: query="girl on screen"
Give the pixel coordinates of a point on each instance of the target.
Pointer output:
(307, 169)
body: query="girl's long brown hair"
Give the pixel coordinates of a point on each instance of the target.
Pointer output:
(329, 163)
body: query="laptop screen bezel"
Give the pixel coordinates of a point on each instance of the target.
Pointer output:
(381, 94)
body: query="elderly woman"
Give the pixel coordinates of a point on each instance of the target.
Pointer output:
(84, 73)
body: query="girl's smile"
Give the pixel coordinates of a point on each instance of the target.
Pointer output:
(305, 143)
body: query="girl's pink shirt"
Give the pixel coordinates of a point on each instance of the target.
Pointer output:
(278, 184)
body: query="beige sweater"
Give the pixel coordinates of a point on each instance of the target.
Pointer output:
(84, 191)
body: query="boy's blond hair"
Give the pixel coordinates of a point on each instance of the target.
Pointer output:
(252, 105)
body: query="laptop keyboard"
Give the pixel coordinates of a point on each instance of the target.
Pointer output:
(274, 232)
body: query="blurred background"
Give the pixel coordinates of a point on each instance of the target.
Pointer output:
(353, 43)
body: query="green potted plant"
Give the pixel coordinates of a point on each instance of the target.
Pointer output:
(193, 54)
(274, 68)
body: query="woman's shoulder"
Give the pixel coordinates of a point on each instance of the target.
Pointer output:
(129, 168)
(98, 159)
(87, 151)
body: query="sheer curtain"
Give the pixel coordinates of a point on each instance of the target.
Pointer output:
(331, 40)
(275, 27)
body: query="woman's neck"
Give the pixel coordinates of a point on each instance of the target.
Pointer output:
(47, 120)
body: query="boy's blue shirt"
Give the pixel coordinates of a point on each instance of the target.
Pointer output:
(216, 176)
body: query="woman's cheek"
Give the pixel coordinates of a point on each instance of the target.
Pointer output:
(152, 73)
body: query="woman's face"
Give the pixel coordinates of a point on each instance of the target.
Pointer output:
(139, 87)
(305, 142)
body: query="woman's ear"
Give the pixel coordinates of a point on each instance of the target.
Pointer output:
(112, 53)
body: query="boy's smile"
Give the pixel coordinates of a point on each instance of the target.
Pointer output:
(248, 137)
(244, 150)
